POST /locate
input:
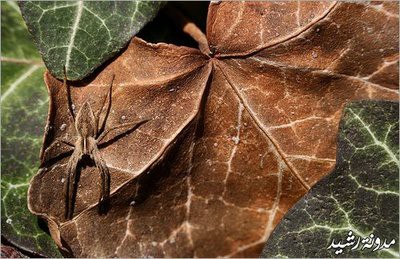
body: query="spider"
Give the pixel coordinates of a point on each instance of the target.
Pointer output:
(90, 131)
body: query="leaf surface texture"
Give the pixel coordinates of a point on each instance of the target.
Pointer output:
(360, 195)
(82, 35)
(234, 139)
(24, 103)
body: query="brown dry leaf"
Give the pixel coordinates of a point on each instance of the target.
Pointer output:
(234, 140)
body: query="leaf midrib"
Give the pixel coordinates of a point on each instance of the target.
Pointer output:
(285, 39)
(74, 29)
(32, 69)
(265, 132)
(21, 61)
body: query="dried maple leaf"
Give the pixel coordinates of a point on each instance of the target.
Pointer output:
(238, 133)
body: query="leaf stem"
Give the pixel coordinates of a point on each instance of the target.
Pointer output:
(189, 28)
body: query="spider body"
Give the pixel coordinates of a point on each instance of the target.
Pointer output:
(86, 127)
(90, 130)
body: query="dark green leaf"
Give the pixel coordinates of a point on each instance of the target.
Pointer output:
(83, 35)
(361, 195)
(24, 107)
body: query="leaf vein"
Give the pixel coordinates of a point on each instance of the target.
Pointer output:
(73, 33)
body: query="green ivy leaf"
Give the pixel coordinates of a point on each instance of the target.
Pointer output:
(361, 195)
(24, 102)
(83, 35)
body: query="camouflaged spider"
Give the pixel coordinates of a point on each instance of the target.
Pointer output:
(90, 131)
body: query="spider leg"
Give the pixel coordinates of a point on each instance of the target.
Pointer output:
(70, 185)
(69, 98)
(102, 119)
(105, 179)
(49, 152)
(123, 128)
(59, 141)
(66, 142)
